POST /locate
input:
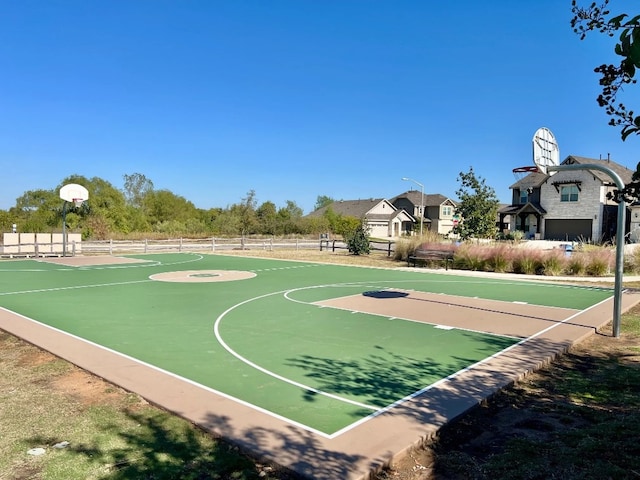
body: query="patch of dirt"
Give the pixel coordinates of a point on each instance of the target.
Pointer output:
(90, 390)
(33, 358)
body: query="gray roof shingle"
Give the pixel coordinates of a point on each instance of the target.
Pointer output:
(351, 208)
(536, 179)
(430, 199)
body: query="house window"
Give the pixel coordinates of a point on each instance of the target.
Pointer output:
(447, 211)
(524, 196)
(569, 193)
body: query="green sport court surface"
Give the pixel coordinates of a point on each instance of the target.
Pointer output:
(292, 340)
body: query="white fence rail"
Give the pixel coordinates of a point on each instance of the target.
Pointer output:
(32, 246)
(112, 247)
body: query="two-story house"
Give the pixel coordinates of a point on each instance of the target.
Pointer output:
(379, 216)
(439, 211)
(569, 205)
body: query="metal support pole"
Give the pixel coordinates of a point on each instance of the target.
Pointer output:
(64, 229)
(622, 218)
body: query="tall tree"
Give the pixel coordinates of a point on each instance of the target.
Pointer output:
(477, 207)
(136, 186)
(166, 206)
(38, 211)
(322, 201)
(613, 78)
(105, 212)
(6, 222)
(266, 214)
(243, 214)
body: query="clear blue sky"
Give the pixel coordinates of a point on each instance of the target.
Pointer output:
(294, 98)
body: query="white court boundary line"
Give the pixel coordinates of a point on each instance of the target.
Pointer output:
(117, 266)
(163, 371)
(376, 410)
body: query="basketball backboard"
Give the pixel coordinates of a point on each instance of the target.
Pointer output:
(72, 192)
(545, 151)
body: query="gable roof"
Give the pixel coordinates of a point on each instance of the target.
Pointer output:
(535, 179)
(529, 207)
(430, 199)
(351, 208)
(623, 172)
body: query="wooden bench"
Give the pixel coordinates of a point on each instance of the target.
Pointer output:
(424, 256)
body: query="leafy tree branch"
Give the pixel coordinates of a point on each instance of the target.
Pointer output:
(613, 78)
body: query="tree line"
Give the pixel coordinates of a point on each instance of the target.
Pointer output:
(139, 208)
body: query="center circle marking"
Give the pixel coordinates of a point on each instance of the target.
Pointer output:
(202, 276)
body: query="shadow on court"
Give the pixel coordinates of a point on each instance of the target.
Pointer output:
(385, 294)
(385, 378)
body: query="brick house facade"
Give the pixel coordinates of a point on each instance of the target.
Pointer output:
(569, 205)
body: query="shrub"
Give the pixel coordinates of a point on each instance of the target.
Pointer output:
(515, 236)
(358, 241)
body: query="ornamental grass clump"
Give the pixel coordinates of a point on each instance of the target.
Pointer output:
(499, 259)
(407, 246)
(599, 262)
(471, 257)
(554, 262)
(576, 264)
(527, 262)
(632, 261)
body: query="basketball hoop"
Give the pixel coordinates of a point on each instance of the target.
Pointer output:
(545, 151)
(520, 172)
(74, 193)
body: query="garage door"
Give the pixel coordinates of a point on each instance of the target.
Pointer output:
(567, 230)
